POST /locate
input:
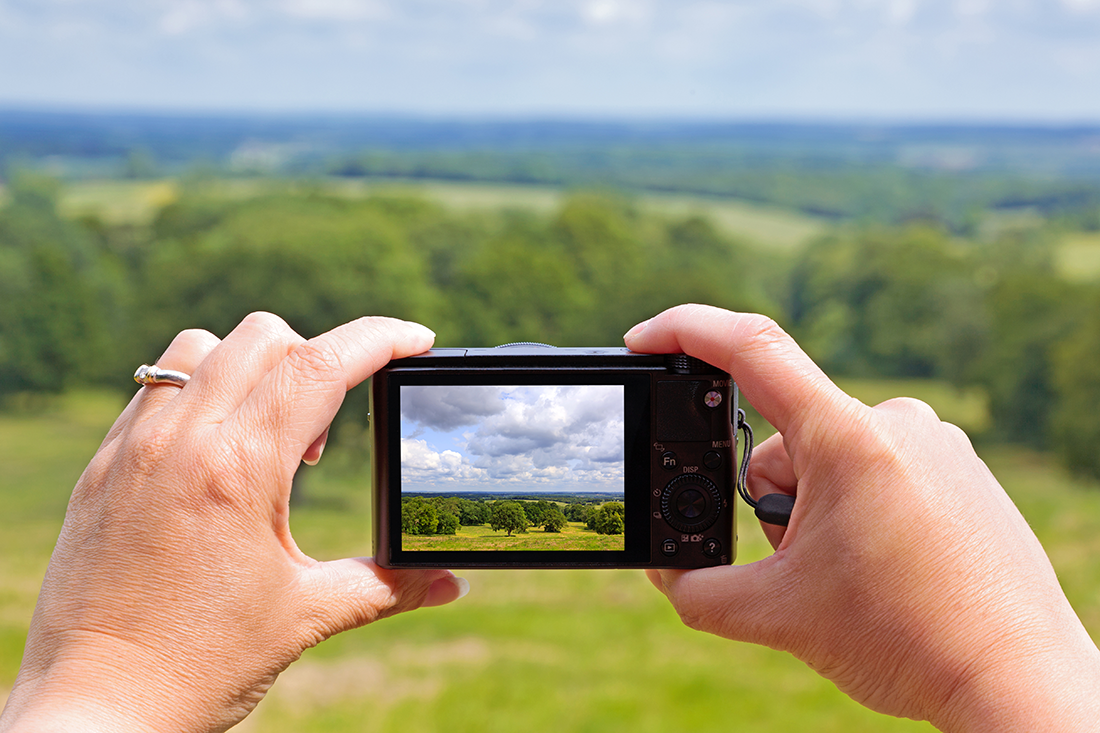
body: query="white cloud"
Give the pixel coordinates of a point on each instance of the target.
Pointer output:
(1082, 6)
(186, 16)
(335, 10)
(560, 438)
(613, 12)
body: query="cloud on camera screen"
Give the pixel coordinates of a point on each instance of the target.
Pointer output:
(530, 467)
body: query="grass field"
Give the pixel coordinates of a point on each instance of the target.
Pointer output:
(136, 202)
(1078, 256)
(526, 650)
(574, 536)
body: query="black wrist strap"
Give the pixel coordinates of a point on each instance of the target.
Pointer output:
(770, 508)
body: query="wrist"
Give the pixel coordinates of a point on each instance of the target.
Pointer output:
(89, 693)
(1049, 683)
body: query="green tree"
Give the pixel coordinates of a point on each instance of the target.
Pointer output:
(891, 303)
(610, 519)
(62, 312)
(1076, 378)
(553, 520)
(537, 511)
(576, 512)
(419, 517)
(508, 516)
(473, 512)
(316, 261)
(1031, 313)
(448, 524)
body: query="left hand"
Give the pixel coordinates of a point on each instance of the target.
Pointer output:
(176, 593)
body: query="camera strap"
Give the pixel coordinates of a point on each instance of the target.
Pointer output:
(770, 508)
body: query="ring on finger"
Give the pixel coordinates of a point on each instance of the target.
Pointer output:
(149, 375)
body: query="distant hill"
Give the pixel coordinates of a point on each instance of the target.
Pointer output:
(861, 171)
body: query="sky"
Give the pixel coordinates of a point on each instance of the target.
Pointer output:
(542, 438)
(987, 60)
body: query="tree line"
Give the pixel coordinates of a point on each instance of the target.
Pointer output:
(84, 301)
(445, 514)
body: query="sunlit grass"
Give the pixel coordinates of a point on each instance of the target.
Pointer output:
(117, 202)
(573, 536)
(1078, 256)
(137, 202)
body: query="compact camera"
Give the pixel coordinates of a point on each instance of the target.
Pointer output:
(530, 456)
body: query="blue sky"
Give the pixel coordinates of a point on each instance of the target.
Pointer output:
(849, 59)
(541, 438)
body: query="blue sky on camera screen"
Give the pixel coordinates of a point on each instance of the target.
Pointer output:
(553, 438)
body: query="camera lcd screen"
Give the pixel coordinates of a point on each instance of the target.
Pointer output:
(517, 470)
(520, 467)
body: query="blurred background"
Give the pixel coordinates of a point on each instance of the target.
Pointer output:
(910, 187)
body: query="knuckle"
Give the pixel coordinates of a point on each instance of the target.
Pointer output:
(195, 337)
(755, 327)
(266, 325)
(955, 435)
(693, 619)
(317, 363)
(909, 406)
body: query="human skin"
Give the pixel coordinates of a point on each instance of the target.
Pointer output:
(906, 575)
(176, 593)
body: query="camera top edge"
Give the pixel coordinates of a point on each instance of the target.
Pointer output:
(528, 356)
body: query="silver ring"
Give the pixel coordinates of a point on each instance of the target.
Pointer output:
(155, 375)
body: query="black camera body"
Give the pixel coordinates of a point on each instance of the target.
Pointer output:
(530, 456)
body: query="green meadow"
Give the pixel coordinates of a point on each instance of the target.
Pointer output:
(573, 536)
(525, 650)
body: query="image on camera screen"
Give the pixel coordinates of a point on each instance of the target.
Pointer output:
(529, 468)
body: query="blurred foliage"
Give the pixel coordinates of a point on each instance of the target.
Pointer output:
(86, 301)
(914, 302)
(1076, 378)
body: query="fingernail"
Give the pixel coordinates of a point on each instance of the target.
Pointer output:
(427, 331)
(636, 330)
(446, 590)
(316, 459)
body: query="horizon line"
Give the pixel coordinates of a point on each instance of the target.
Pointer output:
(792, 119)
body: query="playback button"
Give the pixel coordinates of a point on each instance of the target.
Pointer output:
(670, 547)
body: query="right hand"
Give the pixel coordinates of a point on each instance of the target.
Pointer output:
(906, 576)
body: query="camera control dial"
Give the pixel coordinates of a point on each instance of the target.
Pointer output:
(691, 503)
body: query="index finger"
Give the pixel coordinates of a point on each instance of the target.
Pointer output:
(784, 385)
(296, 401)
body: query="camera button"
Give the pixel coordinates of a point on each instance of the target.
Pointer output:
(712, 547)
(668, 461)
(670, 547)
(712, 460)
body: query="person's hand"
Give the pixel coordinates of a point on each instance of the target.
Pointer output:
(176, 593)
(906, 575)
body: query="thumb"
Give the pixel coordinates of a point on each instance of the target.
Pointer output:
(346, 594)
(739, 602)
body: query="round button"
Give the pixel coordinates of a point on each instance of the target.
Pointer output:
(670, 547)
(712, 547)
(713, 398)
(712, 460)
(690, 503)
(668, 461)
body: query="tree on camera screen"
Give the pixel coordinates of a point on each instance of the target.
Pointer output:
(536, 467)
